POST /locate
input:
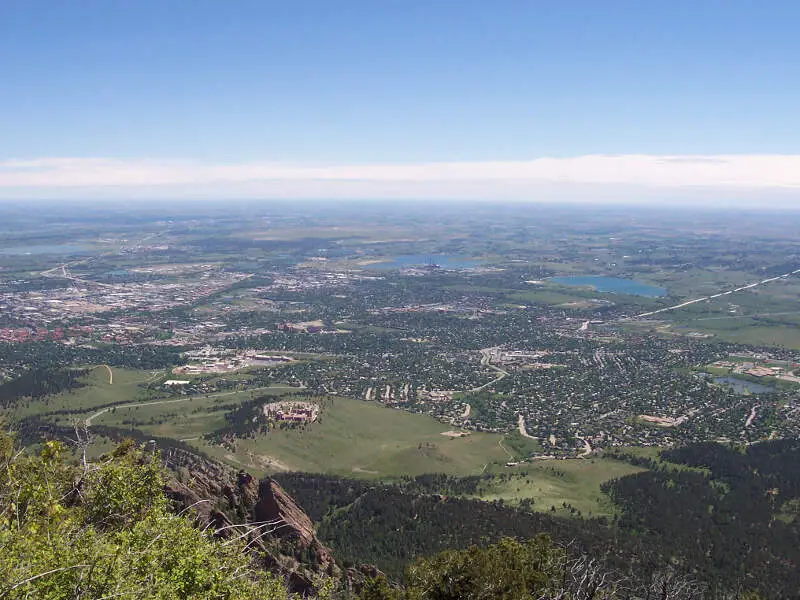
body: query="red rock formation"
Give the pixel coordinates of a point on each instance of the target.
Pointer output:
(288, 521)
(279, 529)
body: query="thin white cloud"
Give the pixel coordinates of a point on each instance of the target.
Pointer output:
(510, 179)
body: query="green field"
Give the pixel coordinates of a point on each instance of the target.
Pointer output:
(747, 330)
(184, 416)
(552, 483)
(354, 438)
(126, 385)
(546, 296)
(562, 295)
(362, 439)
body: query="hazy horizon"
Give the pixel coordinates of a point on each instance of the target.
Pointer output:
(619, 102)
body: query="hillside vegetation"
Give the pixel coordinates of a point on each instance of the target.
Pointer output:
(104, 530)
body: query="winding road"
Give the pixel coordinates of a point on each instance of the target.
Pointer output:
(89, 419)
(486, 361)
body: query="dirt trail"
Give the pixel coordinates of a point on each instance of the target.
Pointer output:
(110, 373)
(500, 443)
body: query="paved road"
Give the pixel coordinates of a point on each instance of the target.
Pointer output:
(523, 431)
(174, 401)
(720, 294)
(486, 361)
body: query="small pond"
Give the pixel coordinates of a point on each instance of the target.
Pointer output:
(742, 386)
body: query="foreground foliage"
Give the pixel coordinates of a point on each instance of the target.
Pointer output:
(105, 530)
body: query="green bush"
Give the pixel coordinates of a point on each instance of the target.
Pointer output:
(104, 530)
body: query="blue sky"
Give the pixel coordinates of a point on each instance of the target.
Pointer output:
(390, 82)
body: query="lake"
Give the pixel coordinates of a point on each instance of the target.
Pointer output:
(612, 285)
(61, 249)
(741, 386)
(421, 260)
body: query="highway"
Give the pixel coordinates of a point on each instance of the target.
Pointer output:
(718, 295)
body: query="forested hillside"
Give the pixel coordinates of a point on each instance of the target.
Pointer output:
(726, 517)
(734, 516)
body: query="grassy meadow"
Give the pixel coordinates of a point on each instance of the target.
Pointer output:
(575, 482)
(362, 439)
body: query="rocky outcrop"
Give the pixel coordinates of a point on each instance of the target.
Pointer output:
(286, 520)
(234, 503)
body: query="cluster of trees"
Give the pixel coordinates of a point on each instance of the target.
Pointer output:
(31, 431)
(324, 495)
(105, 529)
(244, 421)
(38, 383)
(772, 466)
(391, 525)
(38, 355)
(321, 495)
(510, 569)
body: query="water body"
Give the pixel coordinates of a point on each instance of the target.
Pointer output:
(612, 285)
(422, 260)
(742, 386)
(61, 249)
